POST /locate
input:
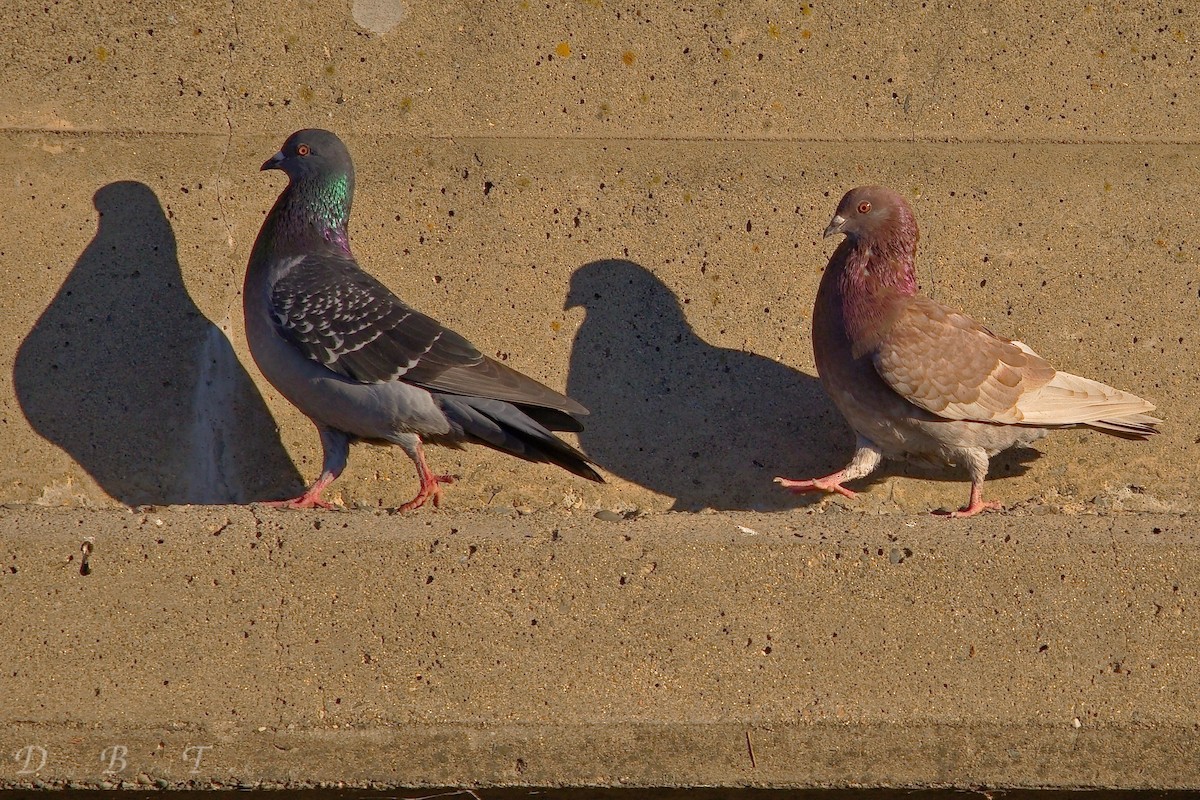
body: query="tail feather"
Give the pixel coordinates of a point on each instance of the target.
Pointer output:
(1130, 426)
(509, 429)
(551, 418)
(1074, 400)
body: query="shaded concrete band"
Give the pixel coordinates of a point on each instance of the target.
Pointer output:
(770, 754)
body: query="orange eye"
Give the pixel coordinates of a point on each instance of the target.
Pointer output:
(302, 150)
(864, 207)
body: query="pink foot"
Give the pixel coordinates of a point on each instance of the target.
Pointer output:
(830, 483)
(974, 508)
(431, 489)
(311, 497)
(976, 504)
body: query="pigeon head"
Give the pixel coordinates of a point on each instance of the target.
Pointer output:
(875, 265)
(874, 215)
(321, 186)
(881, 239)
(312, 153)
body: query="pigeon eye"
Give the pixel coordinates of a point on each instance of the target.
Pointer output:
(302, 150)
(864, 207)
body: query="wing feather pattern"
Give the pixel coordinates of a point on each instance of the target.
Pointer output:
(952, 366)
(342, 317)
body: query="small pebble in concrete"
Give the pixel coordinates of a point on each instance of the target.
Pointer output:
(379, 16)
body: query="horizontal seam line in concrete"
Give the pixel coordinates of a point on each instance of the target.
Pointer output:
(1127, 142)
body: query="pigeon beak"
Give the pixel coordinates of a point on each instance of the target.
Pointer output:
(274, 162)
(835, 225)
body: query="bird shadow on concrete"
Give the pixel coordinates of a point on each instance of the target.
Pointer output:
(126, 375)
(709, 426)
(1009, 463)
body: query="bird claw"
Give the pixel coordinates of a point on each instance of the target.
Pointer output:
(431, 489)
(303, 501)
(971, 510)
(828, 484)
(311, 497)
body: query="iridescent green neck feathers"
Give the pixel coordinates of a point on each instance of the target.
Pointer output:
(315, 207)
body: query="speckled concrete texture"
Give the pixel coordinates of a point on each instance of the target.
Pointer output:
(809, 70)
(620, 200)
(624, 201)
(799, 649)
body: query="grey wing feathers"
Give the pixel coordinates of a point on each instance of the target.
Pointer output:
(342, 317)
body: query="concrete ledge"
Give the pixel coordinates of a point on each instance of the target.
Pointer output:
(826, 755)
(797, 649)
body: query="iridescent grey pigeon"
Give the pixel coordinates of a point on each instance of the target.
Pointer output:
(362, 364)
(918, 380)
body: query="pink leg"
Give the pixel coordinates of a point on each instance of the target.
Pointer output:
(335, 447)
(977, 504)
(430, 484)
(866, 459)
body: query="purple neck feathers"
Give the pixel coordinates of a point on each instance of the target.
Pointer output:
(876, 272)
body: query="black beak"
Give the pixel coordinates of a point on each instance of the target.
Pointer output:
(274, 162)
(835, 225)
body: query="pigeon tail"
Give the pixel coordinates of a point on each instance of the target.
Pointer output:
(1074, 400)
(551, 418)
(1132, 426)
(509, 429)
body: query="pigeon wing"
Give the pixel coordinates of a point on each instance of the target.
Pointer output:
(952, 366)
(342, 317)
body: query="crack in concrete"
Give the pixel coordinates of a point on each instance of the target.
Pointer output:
(260, 535)
(1114, 546)
(231, 48)
(732, 139)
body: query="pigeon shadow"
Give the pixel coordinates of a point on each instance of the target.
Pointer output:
(126, 375)
(708, 426)
(1009, 463)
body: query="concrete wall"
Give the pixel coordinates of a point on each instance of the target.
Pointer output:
(623, 201)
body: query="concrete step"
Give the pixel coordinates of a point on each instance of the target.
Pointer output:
(227, 645)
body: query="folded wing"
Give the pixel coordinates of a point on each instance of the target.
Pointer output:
(950, 365)
(340, 316)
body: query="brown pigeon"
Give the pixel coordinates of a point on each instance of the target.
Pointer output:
(918, 380)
